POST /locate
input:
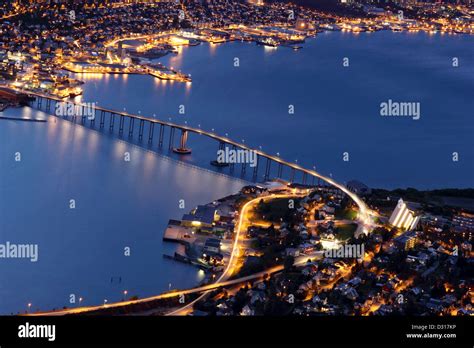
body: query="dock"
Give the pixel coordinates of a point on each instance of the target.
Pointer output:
(186, 259)
(176, 233)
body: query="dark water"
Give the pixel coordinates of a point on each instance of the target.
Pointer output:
(337, 109)
(118, 204)
(127, 204)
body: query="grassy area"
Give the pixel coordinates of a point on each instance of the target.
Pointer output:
(345, 231)
(345, 214)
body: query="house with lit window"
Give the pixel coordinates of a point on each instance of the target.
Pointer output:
(406, 241)
(202, 217)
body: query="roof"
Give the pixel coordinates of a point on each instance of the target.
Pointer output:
(213, 242)
(403, 238)
(202, 213)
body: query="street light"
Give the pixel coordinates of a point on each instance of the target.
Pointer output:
(105, 302)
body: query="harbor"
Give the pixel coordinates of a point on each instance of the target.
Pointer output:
(205, 233)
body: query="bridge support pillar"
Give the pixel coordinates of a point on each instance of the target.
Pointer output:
(292, 178)
(102, 118)
(182, 149)
(74, 113)
(232, 165)
(304, 178)
(112, 121)
(92, 118)
(140, 129)
(131, 126)
(82, 114)
(255, 169)
(280, 169)
(121, 124)
(150, 132)
(171, 142)
(162, 133)
(267, 169)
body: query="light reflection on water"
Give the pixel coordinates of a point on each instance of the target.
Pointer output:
(118, 204)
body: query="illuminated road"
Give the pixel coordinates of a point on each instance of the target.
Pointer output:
(220, 282)
(11, 15)
(257, 276)
(231, 265)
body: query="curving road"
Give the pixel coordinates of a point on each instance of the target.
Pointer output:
(231, 266)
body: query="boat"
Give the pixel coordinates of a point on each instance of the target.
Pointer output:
(267, 42)
(216, 163)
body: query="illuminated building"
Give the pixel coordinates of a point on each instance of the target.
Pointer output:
(463, 224)
(302, 24)
(256, 2)
(403, 217)
(176, 40)
(202, 217)
(406, 241)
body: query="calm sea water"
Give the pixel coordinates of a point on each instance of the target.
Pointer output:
(337, 109)
(118, 204)
(127, 204)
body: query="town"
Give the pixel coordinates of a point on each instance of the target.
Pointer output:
(302, 240)
(46, 47)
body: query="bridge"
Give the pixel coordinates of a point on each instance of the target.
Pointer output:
(108, 118)
(111, 119)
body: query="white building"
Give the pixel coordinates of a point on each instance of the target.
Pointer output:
(403, 217)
